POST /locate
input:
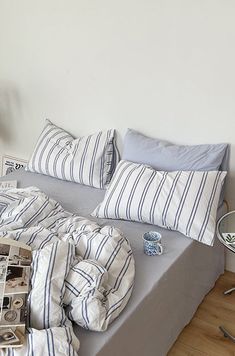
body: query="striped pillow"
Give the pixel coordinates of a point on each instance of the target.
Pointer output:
(185, 201)
(89, 160)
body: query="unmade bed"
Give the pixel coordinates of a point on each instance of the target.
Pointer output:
(167, 289)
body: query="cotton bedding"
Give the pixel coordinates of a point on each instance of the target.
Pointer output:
(180, 277)
(76, 264)
(185, 201)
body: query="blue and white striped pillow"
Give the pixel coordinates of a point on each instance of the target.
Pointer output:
(89, 160)
(185, 201)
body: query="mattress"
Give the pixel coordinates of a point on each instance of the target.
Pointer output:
(167, 290)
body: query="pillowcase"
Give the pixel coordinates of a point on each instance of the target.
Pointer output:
(89, 160)
(185, 201)
(166, 156)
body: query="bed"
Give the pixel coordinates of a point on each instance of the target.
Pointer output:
(167, 290)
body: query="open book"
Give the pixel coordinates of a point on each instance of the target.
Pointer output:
(15, 261)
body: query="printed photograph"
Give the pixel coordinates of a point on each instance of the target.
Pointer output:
(7, 336)
(17, 280)
(11, 336)
(10, 164)
(19, 256)
(14, 309)
(4, 249)
(3, 268)
(2, 285)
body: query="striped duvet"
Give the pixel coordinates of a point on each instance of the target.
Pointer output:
(81, 272)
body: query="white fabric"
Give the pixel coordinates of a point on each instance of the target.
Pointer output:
(88, 160)
(50, 267)
(75, 262)
(57, 341)
(185, 201)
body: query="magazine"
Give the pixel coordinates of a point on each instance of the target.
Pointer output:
(15, 261)
(8, 184)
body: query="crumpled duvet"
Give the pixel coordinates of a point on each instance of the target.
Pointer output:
(81, 272)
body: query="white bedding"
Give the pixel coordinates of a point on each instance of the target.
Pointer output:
(80, 271)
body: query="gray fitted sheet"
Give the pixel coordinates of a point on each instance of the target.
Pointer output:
(167, 290)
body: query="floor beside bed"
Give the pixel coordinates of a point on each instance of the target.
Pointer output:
(202, 337)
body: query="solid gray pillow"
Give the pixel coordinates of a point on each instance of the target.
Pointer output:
(166, 156)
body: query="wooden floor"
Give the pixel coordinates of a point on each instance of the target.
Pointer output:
(202, 336)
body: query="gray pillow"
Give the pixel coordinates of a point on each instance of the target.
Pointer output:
(166, 156)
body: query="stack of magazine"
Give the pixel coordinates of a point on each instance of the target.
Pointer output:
(15, 261)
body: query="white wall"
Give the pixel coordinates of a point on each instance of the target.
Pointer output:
(164, 67)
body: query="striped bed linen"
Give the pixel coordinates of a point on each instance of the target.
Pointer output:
(185, 201)
(89, 160)
(76, 263)
(56, 341)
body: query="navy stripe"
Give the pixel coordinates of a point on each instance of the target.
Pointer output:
(47, 295)
(117, 305)
(37, 213)
(156, 196)
(114, 253)
(46, 240)
(115, 158)
(101, 269)
(69, 339)
(182, 200)
(46, 132)
(102, 161)
(196, 202)
(43, 149)
(72, 288)
(143, 195)
(132, 192)
(209, 206)
(34, 235)
(89, 242)
(48, 343)
(81, 168)
(84, 312)
(101, 246)
(83, 274)
(52, 342)
(169, 198)
(121, 192)
(33, 277)
(55, 163)
(92, 164)
(21, 212)
(63, 166)
(76, 146)
(51, 151)
(121, 275)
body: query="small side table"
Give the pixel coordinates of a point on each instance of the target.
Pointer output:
(226, 235)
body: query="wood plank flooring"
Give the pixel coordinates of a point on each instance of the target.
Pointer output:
(202, 336)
